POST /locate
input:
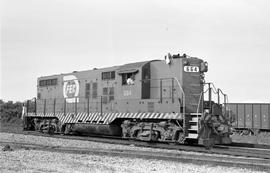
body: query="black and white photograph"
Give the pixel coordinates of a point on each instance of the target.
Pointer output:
(135, 86)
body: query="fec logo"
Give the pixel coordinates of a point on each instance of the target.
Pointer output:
(71, 88)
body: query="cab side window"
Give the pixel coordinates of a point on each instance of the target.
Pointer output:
(128, 78)
(110, 75)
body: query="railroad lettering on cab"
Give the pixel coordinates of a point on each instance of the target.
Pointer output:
(158, 100)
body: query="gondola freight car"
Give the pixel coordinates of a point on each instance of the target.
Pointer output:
(158, 100)
(249, 118)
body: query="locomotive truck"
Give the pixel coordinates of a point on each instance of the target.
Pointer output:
(157, 100)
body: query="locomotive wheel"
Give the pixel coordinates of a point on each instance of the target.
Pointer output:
(67, 129)
(245, 132)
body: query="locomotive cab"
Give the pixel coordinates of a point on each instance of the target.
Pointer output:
(134, 81)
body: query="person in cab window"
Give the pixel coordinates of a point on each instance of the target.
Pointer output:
(130, 80)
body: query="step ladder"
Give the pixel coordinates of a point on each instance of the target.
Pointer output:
(193, 127)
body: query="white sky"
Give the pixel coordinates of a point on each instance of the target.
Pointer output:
(45, 37)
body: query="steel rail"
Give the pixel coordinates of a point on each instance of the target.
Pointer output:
(236, 149)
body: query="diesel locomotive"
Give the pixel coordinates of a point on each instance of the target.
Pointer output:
(158, 100)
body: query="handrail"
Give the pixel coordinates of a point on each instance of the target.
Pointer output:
(218, 91)
(54, 101)
(26, 107)
(197, 111)
(200, 100)
(184, 103)
(184, 99)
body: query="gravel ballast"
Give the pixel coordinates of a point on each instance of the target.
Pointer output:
(25, 160)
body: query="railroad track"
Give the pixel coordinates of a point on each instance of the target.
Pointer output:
(240, 150)
(235, 149)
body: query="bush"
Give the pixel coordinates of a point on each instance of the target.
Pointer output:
(10, 111)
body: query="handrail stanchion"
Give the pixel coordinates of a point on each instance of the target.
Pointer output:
(75, 106)
(161, 90)
(210, 97)
(172, 90)
(225, 104)
(218, 90)
(35, 100)
(54, 103)
(88, 106)
(65, 106)
(101, 105)
(27, 107)
(44, 111)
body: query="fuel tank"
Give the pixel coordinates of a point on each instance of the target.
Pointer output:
(100, 129)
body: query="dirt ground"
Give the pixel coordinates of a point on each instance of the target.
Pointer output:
(261, 138)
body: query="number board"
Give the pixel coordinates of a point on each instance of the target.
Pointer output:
(191, 69)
